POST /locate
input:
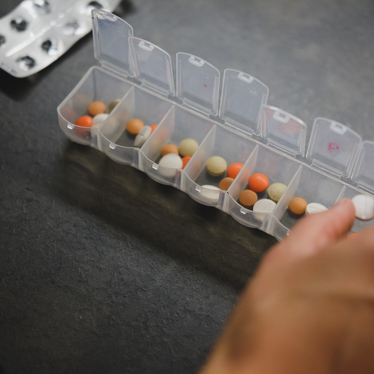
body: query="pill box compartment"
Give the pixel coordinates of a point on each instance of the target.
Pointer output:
(348, 193)
(179, 124)
(313, 187)
(278, 169)
(114, 139)
(97, 85)
(222, 142)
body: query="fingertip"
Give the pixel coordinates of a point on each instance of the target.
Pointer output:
(314, 232)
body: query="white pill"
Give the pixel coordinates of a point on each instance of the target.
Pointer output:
(314, 208)
(169, 163)
(364, 206)
(264, 206)
(210, 193)
(99, 119)
(142, 136)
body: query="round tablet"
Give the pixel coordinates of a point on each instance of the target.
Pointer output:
(364, 206)
(142, 136)
(153, 127)
(210, 193)
(97, 107)
(171, 161)
(234, 169)
(276, 191)
(314, 208)
(185, 161)
(99, 119)
(216, 166)
(113, 104)
(264, 206)
(225, 183)
(258, 182)
(84, 121)
(187, 147)
(169, 148)
(134, 126)
(247, 198)
(298, 205)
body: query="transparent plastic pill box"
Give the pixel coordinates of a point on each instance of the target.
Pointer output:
(38, 32)
(237, 125)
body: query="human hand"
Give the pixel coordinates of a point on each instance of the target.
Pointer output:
(309, 307)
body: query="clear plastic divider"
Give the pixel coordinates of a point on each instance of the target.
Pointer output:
(313, 187)
(276, 167)
(178, 125)
(114, 139)
(222, 142)
(96, 85)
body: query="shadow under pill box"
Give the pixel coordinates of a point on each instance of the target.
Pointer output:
(263, 140)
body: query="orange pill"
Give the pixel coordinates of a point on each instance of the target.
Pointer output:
(84, 121)
(352, 236)
(247, 198)
(134, 126)
(225, 183)
(185, 161)
(153, 127)
(169, 148)
(97, 107)
(234, 169)
(258, 182)
(298, 205)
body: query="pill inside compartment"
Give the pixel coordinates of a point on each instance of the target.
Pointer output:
(96, 85)
(115, 140)
(313, 187)
(349, 193)
(276, 167)
(221, 142)
(179, 124)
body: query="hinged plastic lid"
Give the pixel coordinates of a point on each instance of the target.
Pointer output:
(197, 83)
(363, 172)
(152, 66)
(111, 44)
(283, 130)
(241, 101)
(333, 147)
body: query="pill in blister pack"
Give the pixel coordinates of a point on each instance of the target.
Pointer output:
(38, 32)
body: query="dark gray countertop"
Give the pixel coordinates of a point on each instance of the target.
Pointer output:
(102, 270)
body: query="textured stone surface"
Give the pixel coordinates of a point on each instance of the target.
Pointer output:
(102, 270)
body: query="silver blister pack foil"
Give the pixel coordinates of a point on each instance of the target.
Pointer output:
(38, 32)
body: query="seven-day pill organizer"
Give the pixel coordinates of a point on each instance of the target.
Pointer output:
(38, 32)
(236, 125)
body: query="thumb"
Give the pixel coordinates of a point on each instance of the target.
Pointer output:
(315, 232)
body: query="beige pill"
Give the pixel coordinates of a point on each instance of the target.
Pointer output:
(216, 166)
(276, 190)
(187, 147)
(113, 104)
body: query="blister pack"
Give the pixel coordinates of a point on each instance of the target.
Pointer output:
(38, 32)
